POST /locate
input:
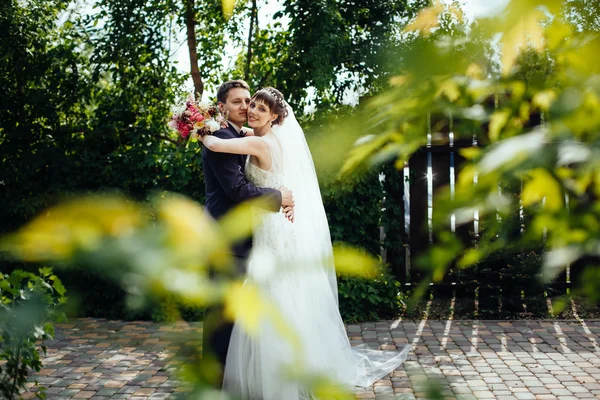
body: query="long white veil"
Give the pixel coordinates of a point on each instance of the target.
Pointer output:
(314, 248)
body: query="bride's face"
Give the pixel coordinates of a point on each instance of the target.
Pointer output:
(260, 115)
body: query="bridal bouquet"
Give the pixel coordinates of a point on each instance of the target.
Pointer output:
(193, 119)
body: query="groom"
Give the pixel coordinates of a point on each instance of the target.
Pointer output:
(226, 187)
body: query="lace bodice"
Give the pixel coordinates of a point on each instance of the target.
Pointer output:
(270, 235)
(272, 178)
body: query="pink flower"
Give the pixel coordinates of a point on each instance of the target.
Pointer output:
(196, 117)
(184, 129)
(172, 124)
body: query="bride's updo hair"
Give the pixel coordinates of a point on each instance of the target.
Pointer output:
(274, 99)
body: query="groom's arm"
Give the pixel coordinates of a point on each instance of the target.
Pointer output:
(234, 183)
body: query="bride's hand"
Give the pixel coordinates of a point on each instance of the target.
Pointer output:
(289, 213)
(248, 131)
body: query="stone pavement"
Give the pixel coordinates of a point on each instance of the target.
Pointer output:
(100, 359)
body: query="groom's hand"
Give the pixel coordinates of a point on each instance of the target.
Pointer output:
(289, 213)
(287, 198)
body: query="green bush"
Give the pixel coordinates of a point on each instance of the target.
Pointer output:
(97, 295)
(353, 208)
(354, 211)
(370, 300)
(30, 304)
(171, 309)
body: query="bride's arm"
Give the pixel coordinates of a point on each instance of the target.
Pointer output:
(253, 145)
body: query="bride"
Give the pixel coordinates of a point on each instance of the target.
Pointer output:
(292, 263)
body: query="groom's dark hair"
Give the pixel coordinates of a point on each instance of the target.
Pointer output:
(224, 89)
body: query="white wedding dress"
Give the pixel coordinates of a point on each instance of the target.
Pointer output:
(292, 264)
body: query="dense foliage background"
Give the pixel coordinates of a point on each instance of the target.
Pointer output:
(88, 87)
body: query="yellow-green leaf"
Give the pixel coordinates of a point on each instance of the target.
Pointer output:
(354, 262)
(427, 19)
(544, 99)
(228, 6)
(524, 111)
(450, 89)
(366, 147)
(475, 71)
(527, 31)
(466, 176)
(470, 152)
(329, 390)
(398, 80)
(539, 185)
(497, 122)
(246, 305)
(238, 223)
(189, 228)
(471, 257)
(582, 182)
(74, 225)
(597, 182)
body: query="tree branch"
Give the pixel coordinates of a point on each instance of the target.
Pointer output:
(190, 23)
(253, 12)
(168, 139)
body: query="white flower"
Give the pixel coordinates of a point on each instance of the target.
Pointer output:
(203, 105)
(179, 108)
(212, 125)
(194, 136)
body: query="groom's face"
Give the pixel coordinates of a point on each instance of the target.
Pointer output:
(237, 105)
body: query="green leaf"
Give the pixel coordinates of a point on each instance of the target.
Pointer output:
(497, 122)
(352, 261)
(541, 185)
(58, 286)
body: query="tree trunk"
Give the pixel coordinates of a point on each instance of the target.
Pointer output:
(190, 23)
(253, 17)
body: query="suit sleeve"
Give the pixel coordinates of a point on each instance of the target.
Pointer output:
(233, 182)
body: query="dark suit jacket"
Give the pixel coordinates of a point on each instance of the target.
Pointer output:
(226, 186)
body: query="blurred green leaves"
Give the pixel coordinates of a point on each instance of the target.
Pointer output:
(29, 305)
(351, 261)
(168, 247)
(531, 103)
(228, 7)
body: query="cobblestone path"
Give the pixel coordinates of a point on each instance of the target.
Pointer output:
(100, 359)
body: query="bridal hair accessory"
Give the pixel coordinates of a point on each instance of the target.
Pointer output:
(278, 97)
(279, 106)
(193, 119)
